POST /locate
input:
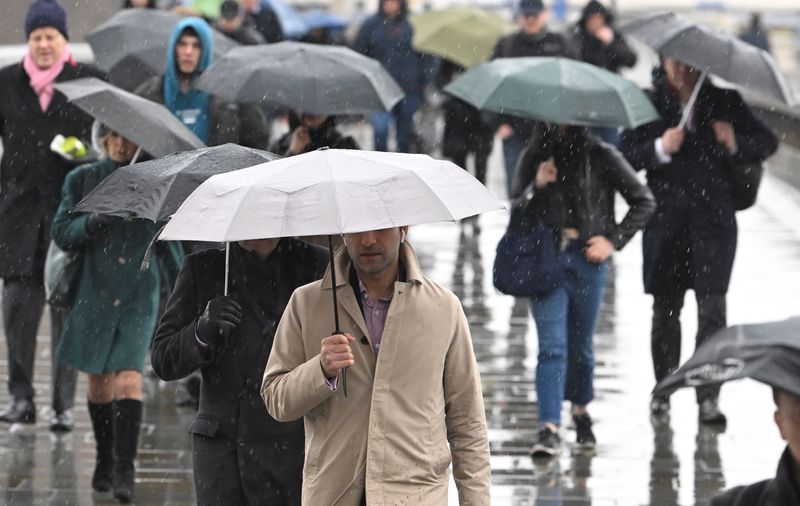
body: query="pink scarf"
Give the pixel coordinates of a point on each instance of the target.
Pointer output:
(42, 79)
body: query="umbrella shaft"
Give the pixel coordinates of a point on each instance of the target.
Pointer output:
(227, 267)
(690, 104)
(136, 155)
(336, 308)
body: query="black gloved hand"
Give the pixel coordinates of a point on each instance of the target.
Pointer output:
(98, 222)
(221, 316)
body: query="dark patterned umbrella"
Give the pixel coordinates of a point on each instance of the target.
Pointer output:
(766, 352)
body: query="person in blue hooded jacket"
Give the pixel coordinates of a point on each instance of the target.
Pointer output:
(214, 120)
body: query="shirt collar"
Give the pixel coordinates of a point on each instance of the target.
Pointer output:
(363, 289)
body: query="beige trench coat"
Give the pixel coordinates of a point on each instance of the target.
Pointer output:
(390, 434)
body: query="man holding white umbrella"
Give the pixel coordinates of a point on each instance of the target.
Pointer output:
(413, 382)
(387, 383)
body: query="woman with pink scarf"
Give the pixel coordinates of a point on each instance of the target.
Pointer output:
(32, 113)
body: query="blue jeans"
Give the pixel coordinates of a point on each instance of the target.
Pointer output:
(403, 115)
(565, 321)
(512, 148)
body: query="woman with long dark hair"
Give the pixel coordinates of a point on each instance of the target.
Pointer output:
(573, 178)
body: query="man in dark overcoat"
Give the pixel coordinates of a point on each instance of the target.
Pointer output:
(784, 489)
(32, 113)
(241, 454)
(690, 242)
(532, 39)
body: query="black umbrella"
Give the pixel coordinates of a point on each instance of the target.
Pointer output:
(156, 188)
(310, 78)
(132, 45)
(720, 54)
(766, 352)
(148, 124)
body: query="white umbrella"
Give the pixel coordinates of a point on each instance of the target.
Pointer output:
(328, 191)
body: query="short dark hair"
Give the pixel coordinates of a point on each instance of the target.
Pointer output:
(776, 395)
(189, 30)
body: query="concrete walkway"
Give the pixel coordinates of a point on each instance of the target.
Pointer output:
(635, 462)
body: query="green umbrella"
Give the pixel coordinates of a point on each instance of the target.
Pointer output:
(464, 35)
(557, 90)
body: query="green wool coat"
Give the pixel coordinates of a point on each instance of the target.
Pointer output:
(111, 324)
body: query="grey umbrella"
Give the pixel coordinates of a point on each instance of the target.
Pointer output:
(716, 53)
(148, 124)
(156, 188)
(303, 77)
(767, 352)
(132, 45)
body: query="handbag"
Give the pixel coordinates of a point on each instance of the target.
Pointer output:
(62, 274)
(745, 179)
(528, 259)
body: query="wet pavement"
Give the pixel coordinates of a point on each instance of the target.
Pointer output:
(636, 462)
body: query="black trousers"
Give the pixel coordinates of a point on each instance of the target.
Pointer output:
(666, 332)
(481, 161)
(244, 473)
(23, 303)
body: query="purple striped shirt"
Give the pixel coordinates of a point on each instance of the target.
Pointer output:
(375, 312)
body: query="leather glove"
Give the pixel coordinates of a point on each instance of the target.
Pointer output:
(98, 222)
(221, 316)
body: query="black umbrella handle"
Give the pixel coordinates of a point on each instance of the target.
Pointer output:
(336, 308)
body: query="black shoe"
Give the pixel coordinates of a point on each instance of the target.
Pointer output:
(659, 405)
(548, 444)
(710, 414)
(583, 426)
(62, 422)
(19, 411)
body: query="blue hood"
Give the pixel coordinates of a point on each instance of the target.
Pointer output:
(203, 31)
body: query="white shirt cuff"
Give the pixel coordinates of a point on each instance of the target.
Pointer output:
(661, 155)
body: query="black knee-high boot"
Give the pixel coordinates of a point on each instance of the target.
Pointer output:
(127, 422)
(102, 416)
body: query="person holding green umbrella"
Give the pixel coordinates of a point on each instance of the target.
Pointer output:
(532, 39)
(568, 180)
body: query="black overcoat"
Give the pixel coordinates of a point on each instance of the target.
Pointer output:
(230, 402)
(783, 490)
(31, 176)
(690, 242)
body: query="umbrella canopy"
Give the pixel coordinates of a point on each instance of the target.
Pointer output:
(291, 23)
(148, 124)
(766, 352)
(328, 191)
(558, 90)
(132, 45)
(720, 54)
(156, 188)
(465, 35)
(310, 78)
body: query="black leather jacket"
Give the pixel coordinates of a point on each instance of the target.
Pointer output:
(591, 172)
